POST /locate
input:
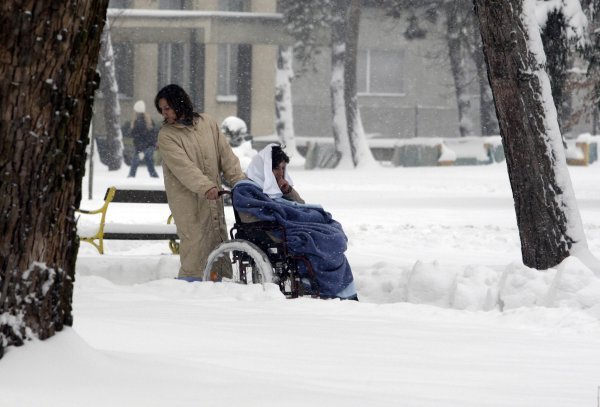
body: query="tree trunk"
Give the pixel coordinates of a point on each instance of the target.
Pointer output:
(547, 216)
(112, 109)
(455, 21)
(350, 98)
(338, 105)
(361, 153)
(283, 105)
(48, 57)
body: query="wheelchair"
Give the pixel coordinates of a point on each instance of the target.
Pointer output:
(258, 254)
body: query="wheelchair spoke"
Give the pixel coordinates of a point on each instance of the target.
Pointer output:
(238, 261)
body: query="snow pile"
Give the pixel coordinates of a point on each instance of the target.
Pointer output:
(574, 286)
(574, 151)
(447, 154)
(481, 288)
(129, 269)
(468, 147)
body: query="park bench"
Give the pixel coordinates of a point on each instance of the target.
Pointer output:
(128, 231)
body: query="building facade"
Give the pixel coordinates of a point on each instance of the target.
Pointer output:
(405, 88)
(224, 53)
(149, 56)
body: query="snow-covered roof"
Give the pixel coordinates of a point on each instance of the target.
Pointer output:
(154, 13)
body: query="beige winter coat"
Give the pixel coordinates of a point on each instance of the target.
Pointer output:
(193, 159)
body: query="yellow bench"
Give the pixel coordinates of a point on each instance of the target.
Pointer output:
(117, 231)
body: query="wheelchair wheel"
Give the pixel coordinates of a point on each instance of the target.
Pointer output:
(250, 265)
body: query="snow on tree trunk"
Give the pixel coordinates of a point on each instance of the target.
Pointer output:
(547, 215)
(455, 21)
(364, 156)
(283, 105)
(338, 105)
(48, 58)
(112, 109)
(359, 147)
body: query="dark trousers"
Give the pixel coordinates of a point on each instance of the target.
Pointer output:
(148, 159)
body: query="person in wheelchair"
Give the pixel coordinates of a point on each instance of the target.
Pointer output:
(268, 195)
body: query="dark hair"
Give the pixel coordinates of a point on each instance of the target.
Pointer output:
(278, 156)
(178, 100)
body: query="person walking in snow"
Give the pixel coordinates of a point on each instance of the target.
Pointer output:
(195, 153)
(144, 139)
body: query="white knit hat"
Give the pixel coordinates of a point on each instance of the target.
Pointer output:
(139, 106)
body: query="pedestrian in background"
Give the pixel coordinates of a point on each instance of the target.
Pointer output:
(143, 133)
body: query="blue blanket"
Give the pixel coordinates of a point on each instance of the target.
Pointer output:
(310, 231)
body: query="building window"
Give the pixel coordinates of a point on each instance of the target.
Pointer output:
(233, 5)
(227, 79)
(119, 4)
(170, 64)
(124, 67)
(228, 57)
(170, 55)
(171, 4)
(380, 72)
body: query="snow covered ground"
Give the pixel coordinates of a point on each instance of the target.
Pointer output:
(435, 254)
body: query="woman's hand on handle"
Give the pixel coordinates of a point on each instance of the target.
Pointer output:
(212, 194)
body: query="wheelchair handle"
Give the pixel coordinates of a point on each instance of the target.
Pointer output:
(224, 192)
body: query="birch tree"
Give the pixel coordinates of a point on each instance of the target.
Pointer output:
(48, 58)
(548, 219)
(305, 21)
(359, 147)
(457, 19)
(283, 105)
(336, 85)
